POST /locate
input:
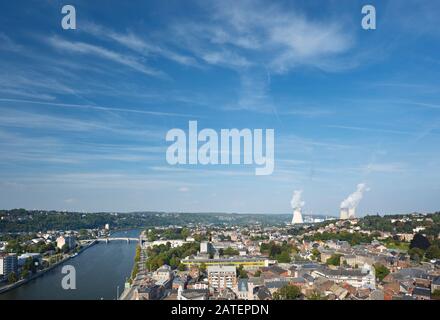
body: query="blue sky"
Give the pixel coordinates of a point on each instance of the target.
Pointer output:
(84, 113)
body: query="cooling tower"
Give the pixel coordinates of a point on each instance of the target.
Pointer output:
(297, 216)
(344, 214)
(352, 213)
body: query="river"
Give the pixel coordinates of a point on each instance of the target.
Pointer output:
(100, 269)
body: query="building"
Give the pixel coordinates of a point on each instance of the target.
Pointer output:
(206, 247)
(164, 273)
(66, 240)
(435, 285)
(357, 278)
(247, 262)
(242, 289)
(222, 277)
(36, 258)
(8, 264)
(192, 294)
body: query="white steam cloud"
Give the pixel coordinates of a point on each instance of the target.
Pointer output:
(353, 199)
(296, 201)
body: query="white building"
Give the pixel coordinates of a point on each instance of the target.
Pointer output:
(36, 257)
(357, 278)
(62, 240)
(164, 273)
(222, 277)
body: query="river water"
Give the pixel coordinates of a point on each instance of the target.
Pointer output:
(100, 269)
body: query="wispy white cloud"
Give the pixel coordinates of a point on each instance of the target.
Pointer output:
(86, 48)
(371, 129)
(7, 44)
(136, 43)
(99, 108)
(264, 34)
(385, 167)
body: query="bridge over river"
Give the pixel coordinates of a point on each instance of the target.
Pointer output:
(107, 240)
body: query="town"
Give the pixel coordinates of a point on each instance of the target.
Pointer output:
(391, 257)
(370, 258)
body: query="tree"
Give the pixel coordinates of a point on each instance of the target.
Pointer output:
(24, 273)
(381, 271)
(65, 248)
(230, 252)
(416, 254)
(181, 267)
(174, 262)
(283, 257)
(316, 255)
(334, 260)
(137, 256)
(436, 294)
(433, 252)
(419, 241)
(288, 292)
(12, 278)
(316, 295)
(241, 273)
(135, 271)
(257, 273)
(29, 265)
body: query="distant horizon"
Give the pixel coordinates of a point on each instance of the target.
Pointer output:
(219, 212)
(85, 112)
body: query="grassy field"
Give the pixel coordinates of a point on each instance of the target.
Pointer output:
(404, 246)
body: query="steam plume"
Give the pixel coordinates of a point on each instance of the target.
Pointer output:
(353, 199)
(296, 201)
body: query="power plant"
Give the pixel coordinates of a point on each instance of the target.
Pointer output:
(297, 205)
(348, 206)
(297, 216)
(343, 214)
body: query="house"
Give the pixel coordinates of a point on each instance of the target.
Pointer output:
(435, 285)
(274, 286)
(163, 273)
(377, 295)
(421, 293)
(192, 294)
(226, 294)
(262, 293)
(148, 292)
(339, 291)
(178, 282)
(274, 271)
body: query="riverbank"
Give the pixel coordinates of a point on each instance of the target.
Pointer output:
(138, 266)
(44, 271)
